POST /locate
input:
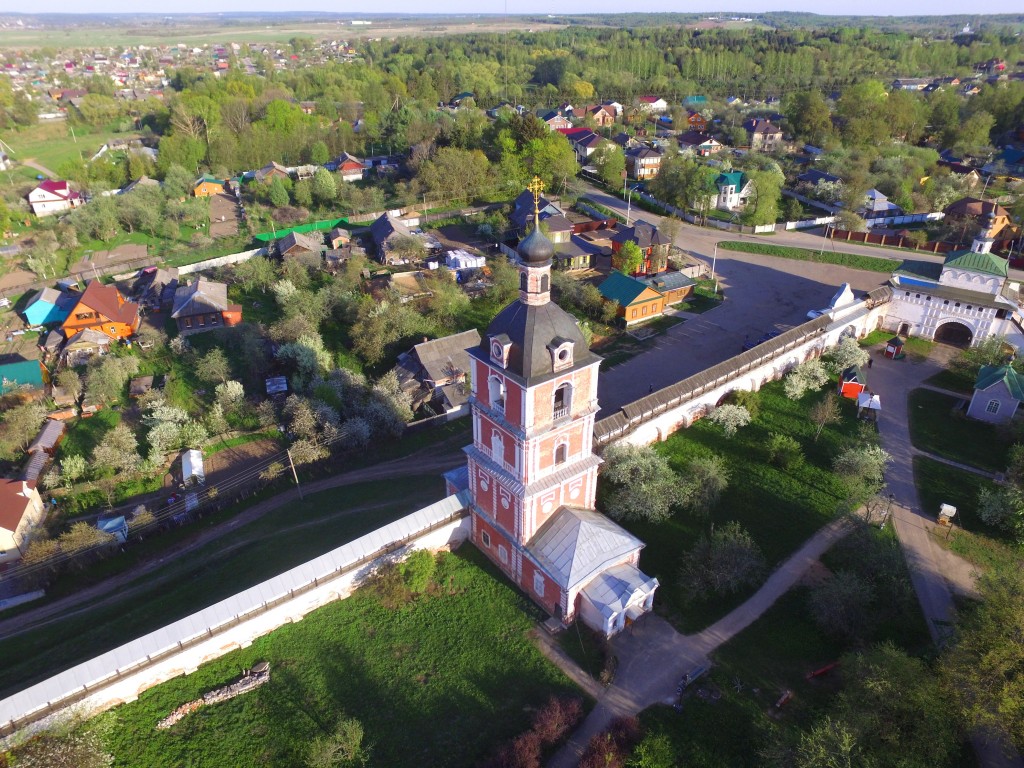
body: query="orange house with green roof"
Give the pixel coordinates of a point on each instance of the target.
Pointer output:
(207, 186)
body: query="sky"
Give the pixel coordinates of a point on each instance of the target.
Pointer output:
(865, 7)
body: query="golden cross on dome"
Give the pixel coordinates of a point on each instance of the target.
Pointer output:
(536, 186)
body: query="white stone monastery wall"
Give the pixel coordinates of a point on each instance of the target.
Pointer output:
(120, 675)
(651, 419)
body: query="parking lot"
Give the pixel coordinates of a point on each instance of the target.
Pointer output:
(762, 294)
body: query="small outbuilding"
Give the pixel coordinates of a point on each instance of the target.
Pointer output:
(998, 392)
(894, 348)
(115, 526)
(868, 405)
(852, 382)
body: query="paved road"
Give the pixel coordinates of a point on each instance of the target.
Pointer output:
(425, 462)
(762, 293)
(936, 573)
(701, 240)
(653, 657)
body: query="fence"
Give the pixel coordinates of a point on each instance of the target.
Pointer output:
(894, 241)
(907, 218)
(123, 673)
(318, 226)
(220, 261)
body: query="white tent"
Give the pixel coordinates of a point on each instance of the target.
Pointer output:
(192, 471)
(866, 401)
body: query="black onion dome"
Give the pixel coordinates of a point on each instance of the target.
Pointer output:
(535, 248)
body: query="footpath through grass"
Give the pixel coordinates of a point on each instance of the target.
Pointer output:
(971, 538)
(280, 540)
(438, 681)
(869, 263)
(781, 508)
(775, 654)
(939, 429)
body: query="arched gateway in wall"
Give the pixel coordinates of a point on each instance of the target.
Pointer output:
(954, 333)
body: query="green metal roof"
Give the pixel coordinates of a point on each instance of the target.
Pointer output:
(25, 372)
(621, 288)
(735, 178)
(990, 375)
(986, 263)
(207, 177)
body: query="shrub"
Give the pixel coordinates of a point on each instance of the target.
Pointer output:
(784, 451)
(730, 418)
(418, 571)
(841, 605)
(725, 563)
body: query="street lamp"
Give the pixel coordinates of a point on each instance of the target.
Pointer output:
(629, 203)
(888, 506)
(714, 261)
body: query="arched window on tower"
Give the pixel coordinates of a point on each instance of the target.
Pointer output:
(522, 281)
(561, 453)
(496, 393)
(544, 283)
(562, 402)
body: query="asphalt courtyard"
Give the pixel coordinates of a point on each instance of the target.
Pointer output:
(762, 293)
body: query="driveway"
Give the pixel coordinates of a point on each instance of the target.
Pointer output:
(762, 293)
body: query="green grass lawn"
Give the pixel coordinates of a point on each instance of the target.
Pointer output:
(771, 656)
(936, 429)
(953, 379)
(51, 144)
(914, 346)
(84, 434)
(869, 263)
(780, 508)
(262, 549)
(439, 681)
(972, 538)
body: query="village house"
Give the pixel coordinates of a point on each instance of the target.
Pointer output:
(53, 196)
(81, 346)
(653, 243)
(555, 120)
(985, 214)
(271, 171)
(203, 306)
(349, 167)
(154, 287)
(207, 186)
(531, 471)
(763, 135)
(695, 121)
(21, 510)
(48, 305)
(384, 232)
(102, 308)
(734, 191)
(998, 391)
(556, 224)
(643, 163)
(637, 301)
(602, 115)
(701, 144)
(652, 105)
(298, 244)
(435, 373)
(674, 286)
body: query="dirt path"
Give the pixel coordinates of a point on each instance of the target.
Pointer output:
(423, 462)
(31, 163)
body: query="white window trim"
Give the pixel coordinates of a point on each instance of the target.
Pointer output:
(990, 409)
(538, 583)
(485, 539)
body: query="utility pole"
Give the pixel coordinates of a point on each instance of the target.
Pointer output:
(714, 261)
(294, 473)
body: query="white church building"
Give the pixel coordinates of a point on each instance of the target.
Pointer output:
(962, 301)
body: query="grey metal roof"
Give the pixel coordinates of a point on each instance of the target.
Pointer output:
(48, 436)
(668, 281)
(200, 298)
(67, 685)
(531, 328)
(575, 544)
(612, 590)
(441, 357)
(385, 227)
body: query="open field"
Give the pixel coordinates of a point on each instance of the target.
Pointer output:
(215, 30)
(52, 143)
(779, 507)
(853, 261)
(438, 681)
